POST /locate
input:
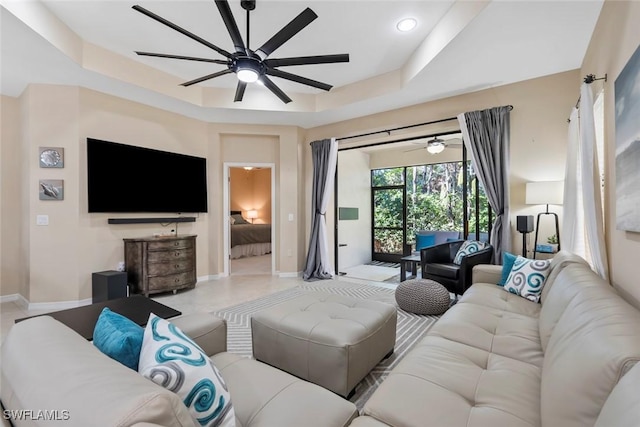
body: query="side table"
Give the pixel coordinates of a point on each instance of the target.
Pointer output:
(412, 262)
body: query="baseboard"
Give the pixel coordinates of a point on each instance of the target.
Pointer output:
(207, 278)
(9, 298)
(56, 306)
(290, 274)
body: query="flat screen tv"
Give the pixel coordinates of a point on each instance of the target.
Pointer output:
(125, 178)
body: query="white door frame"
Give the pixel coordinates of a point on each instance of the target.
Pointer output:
(225, 212)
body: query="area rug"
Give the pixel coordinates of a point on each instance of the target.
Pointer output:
(410, 327)
(375, 273)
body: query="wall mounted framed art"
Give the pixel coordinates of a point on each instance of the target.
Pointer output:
(51, 157)
(51, 189)
(627, 89)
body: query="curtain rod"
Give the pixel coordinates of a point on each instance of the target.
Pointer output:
(588, 79)
(388, 131)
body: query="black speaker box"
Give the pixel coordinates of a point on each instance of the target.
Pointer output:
(524, 223)
(108, 285)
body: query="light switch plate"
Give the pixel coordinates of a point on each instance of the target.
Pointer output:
(290, 217)
(42, 219)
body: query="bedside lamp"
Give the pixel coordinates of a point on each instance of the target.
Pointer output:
(545, 193)
(252, 214)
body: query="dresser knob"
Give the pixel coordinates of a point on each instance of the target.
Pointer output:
(177, 266)
(177, 280)
(177, 254)
(176, 243)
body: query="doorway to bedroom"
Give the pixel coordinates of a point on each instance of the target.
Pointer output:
(249, 232)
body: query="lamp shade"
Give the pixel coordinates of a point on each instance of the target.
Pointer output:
(544, 193)
(252, 214)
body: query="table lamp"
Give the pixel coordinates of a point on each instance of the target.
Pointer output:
(252, 214)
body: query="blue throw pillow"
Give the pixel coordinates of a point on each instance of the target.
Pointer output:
(425, 240)
(118, 337)
(507, 264)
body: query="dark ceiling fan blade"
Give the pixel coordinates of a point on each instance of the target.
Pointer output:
(187, 58)
(298, 79)
(291, 29)
(307, 60)
(181, 30)
(240, 91)
(275, 89)
(207, 77)
(232, 26)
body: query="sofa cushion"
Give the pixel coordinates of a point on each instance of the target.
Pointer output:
(171, 359)
(494, 296)
(496, 331)
(527, 278)
(264, 396)
(118, 337)
(79, 378)
(559, 262)
(622, 408)
(448, 270)
(594, 343)
(452, 384)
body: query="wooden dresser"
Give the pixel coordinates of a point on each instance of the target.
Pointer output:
(160, 264)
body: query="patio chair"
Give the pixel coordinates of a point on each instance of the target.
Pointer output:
(437, 264)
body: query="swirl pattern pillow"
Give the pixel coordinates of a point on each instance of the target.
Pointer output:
(468, 247)
(527, 277)
(171, 359)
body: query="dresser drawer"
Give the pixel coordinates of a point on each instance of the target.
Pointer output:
(162, 245)
(170, 267)
(170, 282)
(169, 256)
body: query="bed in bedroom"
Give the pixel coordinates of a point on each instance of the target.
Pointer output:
(248, 239)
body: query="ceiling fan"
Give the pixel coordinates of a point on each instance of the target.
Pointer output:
(251, 65)
(437, 145)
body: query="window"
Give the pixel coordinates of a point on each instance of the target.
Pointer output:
(406, 200)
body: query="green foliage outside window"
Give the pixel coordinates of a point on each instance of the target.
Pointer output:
(434, 202)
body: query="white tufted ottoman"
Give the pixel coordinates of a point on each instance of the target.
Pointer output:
(330, 340)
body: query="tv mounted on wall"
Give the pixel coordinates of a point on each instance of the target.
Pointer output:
(124, 178)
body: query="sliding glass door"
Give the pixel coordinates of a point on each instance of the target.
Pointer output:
(406, 201)
(388, 194)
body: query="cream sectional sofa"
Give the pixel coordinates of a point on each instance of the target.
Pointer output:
(47, 366)
(496, 359)
(493, 360)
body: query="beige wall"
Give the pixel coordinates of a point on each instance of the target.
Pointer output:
(538, 133)
(614, 40)
(11, 243)
(49, 264)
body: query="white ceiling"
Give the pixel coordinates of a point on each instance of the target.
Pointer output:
(458, 47)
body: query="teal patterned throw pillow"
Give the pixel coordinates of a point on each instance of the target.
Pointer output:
(527, 277)
(171, 359)
(468, 247)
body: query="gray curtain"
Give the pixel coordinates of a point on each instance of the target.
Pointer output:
(325, 158)
(486, 137)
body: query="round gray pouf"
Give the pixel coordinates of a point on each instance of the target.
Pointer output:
(422, 296)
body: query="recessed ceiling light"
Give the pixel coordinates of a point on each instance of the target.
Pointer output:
(406, 24)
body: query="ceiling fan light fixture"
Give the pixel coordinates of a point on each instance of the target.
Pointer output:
(435, 147)
(247, 75)
(406, 24)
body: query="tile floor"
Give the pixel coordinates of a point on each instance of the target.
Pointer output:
(206, 296)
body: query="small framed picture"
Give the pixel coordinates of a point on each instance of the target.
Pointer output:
(51, 157)
(51, 189)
